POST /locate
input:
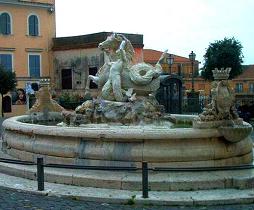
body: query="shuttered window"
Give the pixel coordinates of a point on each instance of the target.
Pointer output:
(239, 87)
(6, 61)
(66, 79)
(251, 87)
(34, 66)
(5, 24)
(33, 25)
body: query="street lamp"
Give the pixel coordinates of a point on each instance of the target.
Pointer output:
(170, 61)
(192, 57)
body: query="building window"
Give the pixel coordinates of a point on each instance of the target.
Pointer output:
(33, 25)
(5, 24)
(66, 79)
(93, 71)
(6, 61)
(251, 87)
(35, 86)
(187, 86)
(34, 66)
(179, 69)
(6, 104)
(239, 87)
(201, 86)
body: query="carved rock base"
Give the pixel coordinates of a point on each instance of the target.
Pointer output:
(144, 110)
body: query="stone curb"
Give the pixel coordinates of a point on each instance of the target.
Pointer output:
(178, 198)
(174, 181)
(187, 198)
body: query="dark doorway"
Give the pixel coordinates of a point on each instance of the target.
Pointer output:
(170, 93)
(35, 86)
(6, 104)
(93, 71)
(32, 100)
(66, 79)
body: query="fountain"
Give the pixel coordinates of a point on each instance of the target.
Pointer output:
(126, 125)
(221, 112)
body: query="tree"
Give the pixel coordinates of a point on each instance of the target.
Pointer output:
(7, 82)
(222, 54)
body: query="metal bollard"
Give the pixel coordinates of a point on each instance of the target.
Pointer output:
(40, 174)
(145, 179)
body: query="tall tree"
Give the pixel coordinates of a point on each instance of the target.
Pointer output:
(7, 82)
(222, 54)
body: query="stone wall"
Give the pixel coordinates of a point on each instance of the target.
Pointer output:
(79, 61)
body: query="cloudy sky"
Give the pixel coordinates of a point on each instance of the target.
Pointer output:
(179, 26)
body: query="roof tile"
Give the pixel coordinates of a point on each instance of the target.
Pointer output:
(152, 56)
(248, 73)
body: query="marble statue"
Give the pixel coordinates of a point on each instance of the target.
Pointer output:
(221, 112)
(126, 88)
(118, 77)
(120, 53)
(222, 109)
(222, 106)
(44, 102)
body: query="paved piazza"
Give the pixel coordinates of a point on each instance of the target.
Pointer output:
(10, 200)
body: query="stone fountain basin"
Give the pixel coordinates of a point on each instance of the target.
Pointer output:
(123, 145)
(236, 133)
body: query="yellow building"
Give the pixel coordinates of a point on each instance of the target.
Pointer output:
(181, 66)
(27, 29)
(76, 57)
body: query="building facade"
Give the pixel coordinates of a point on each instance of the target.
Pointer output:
(29, 47)
(27, 29)
(77, 57)
(182, 67)
(244, 86)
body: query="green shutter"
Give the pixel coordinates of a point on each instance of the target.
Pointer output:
(5, 24)
(6, 61)
(1, 23)
(34, 66)
(33, 25)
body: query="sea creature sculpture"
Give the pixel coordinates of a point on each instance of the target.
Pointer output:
(118, 75)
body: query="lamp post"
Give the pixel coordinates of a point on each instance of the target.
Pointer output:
(170, 61)
(192, 57)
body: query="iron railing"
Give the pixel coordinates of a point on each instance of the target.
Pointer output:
(144, 169)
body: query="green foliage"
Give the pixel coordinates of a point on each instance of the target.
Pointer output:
(222, 54)
(72, 98)
(131, 201)
(8, 81)
(70, 101)
(65, 97)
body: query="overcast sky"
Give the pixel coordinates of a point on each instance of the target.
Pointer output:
(177, 25)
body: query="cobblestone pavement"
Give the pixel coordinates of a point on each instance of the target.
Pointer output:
(10, 200)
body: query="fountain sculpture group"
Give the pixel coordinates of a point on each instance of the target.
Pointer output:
(125, 124)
